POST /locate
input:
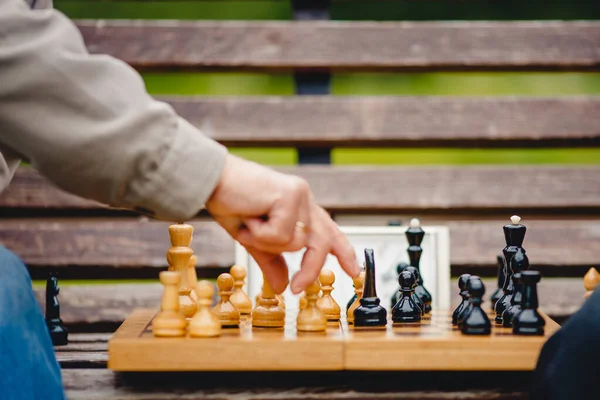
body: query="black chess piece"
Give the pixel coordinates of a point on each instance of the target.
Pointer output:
(414, 296)
(58, 332)
(463, 314)
(529, 321)
(476, 322)
(462, 286)
(415, 235)
(514, 234)
(398, 293)
(370, 312)
(406, 310)
(515, 302)
(501, 278)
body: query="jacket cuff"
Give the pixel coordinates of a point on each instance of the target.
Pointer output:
(180, 186)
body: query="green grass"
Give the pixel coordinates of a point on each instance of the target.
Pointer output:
(468, 84)
(573, 156)
(184, 10)
(279, 156)
(41, 284)
(412, 10)
(400, 84)
(79, 282)
(218, 84)
(398, 10)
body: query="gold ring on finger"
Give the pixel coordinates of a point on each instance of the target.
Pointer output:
(301, 225)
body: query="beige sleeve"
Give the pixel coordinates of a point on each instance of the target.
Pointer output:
(87, 123)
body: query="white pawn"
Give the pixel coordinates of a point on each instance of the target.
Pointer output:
(204, 323)
(326, 303)
(169, 322)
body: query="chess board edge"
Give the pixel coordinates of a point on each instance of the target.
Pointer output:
(133, 348)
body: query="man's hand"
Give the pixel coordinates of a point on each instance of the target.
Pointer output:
(270, 213)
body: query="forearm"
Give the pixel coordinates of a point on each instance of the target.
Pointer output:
(87, 123)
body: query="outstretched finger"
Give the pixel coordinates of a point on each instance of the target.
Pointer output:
(274, 267)
(344, 252)
(312, 263)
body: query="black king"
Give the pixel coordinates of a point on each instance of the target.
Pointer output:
(415, 235)
(514, 234)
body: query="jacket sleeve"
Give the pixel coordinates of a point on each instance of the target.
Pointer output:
(87, 123)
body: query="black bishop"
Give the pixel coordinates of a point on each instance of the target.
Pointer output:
(370, 313)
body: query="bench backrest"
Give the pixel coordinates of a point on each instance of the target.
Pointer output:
(52, 230)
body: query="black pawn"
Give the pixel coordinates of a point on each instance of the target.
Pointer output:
(414, 235)
(398, 293)
(414, 296)
(462, 286)
(501, 278)
(58, 332)
(529, 321)
(476, 322)
(469, 306)
(515, 302)
(370, 313)
(406, 310)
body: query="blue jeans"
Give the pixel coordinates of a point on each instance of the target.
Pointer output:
(28, 366)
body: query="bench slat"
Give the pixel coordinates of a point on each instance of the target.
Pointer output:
(104, 384)
(110, 245)
(394, 121)
(365, 189)
(103, 307)
(348, 45)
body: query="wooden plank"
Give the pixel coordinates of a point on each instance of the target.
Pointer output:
(378, 122)
(104, 384)
(499, 189)
(394, 121)
(104, 247)
(347, 45)
(103, 303)
(103, 307)
(109, 242)
(368, 189)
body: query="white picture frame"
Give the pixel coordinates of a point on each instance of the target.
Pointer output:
(390, 245)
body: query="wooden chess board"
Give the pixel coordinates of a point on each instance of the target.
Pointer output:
(433, 344)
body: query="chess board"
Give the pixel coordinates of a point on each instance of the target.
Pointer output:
(433, 344)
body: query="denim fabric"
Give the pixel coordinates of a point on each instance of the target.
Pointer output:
(28, 366)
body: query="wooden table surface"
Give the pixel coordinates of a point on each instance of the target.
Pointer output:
(85, 376)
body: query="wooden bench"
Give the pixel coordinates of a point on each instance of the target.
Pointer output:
(81, 239)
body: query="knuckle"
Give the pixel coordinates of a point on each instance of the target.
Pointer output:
(300, 186)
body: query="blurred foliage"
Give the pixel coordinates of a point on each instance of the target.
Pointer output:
(468, 84)
(219, 83)
(446, 156)
(416, 10)
(376, 10)
(405, 84)
(185, 10)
